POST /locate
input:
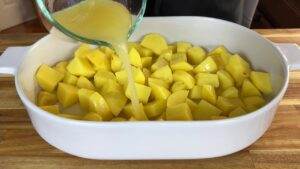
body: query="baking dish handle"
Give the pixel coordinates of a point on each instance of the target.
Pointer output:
(11, 58)
(292, 54)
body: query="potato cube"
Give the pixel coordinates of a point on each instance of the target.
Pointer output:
(102, 76)
(146, 61)
(196, 55)
(84, 96)
(160, 62)
(186, 78)
(208, 93)
(67, 94)
(155, 42)
(45, 98)
(248, 89)
(138, 116)
(70, 79)
(143, 92)
(116, 101)
(230, 92)
(178, 86)
(82, 50)
(116, 63)
(262, 81)
(208, 65)
(61, 66)
(253, 103)
(205, 111)
(48, 78)
(195, 92)
(225, 79)
(177, 97)
(159, 92)
(107, 50)
(237, 112)
(155, 108)
(166, 54)
(80, 67)
(92, 117)
(137, 73)
(178, 112)
(98, 59)
(51, 108)
(220, 55)
(164, 73)
(238, 68)
(98, 105)
(158, 82)
(225, 104)
(207, 79)
(182, 47)
(135, 58)
(83, 82)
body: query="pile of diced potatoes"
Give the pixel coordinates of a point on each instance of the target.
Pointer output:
(178, 81)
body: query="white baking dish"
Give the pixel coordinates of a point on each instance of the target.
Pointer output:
(161, 139)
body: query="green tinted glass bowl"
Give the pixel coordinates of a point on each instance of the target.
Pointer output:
(48, 7)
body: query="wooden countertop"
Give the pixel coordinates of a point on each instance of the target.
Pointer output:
(22, 148)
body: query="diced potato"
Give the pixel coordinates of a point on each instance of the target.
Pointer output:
(166, 54)
(186, 78)
(164, 73)
(67, 94)
(248, 89)
(118, 119)
(158, 82)
(218, 117)
(80, 67)
(82, 50)
(137, 116)
(220, 55)
(61, 66)
(208, 65)
(177, 98)
(83, 82)
(155, 42)
(135, 58)
(180, 111)
(116, 63)
(173, 48)
(143, 92)
(92, 117)
(137, 73)
(253, 103)
(196, 55)
(207, 79)
(230, 92)
(51, 108)
(83, 96)
(225, 79)
(193, 106)
(160, 62)
(155, 108)
(182, 47)
(146, 61)
(180, 65)
(205, 111)
(178, 86)
(225, 104)
(159, 92)
(262, 81)
(208, 93)
(116, 101)
(98, 59)
(98, 105)
(237, 112)
(48, 78)
(70, 116)
(102, 76)
(46, 99)
(238, 68)
(70, 79)
(195, 92)
(107, 50)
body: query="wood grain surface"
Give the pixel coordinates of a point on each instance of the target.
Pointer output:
(22, 148)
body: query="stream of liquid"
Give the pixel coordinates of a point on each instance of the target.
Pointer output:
(104, 20)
